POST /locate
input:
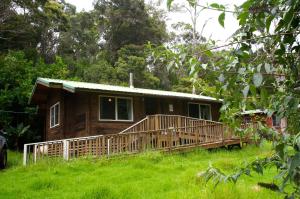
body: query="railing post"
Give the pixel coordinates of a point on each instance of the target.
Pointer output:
(108, 146)
(34, 153)
(170, 133)
(66, 149)
(197, 135)
(140, 142)
(25, 155)
(222, 129)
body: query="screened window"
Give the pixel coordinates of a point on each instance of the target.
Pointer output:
(54, 115)
(124, 109)
(276, 120)
(116, 108)
(107, 108)
(205, 112)
(201, 111)
(194, 110)
(247, 119)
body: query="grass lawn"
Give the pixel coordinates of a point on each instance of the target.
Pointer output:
(148, 175)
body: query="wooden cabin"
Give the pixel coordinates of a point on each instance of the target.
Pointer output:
(253, 116)
(76, 109)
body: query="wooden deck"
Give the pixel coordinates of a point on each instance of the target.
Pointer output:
(157, 132)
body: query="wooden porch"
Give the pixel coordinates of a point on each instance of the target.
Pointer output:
(155, 132)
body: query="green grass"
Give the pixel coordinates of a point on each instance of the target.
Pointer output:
(148, 175)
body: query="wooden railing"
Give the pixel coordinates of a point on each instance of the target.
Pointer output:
(160, 121)
(152, 133)
(107, 145)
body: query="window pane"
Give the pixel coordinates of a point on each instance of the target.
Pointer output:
(276, 120)
(124, 109)
(56, 114)
(51, 116)
(205, 112)
(107, 108)
(194, 110)
(247, 119)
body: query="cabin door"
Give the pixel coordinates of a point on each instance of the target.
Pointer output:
(152, 106)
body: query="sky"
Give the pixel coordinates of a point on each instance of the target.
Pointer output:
(212, 30)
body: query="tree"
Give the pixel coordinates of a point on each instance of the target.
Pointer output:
(81, 40)
(17, 78)
(131, 58)
(100, 72)
(15, 134)
(266, 54)
(30, 25)
(129, 22)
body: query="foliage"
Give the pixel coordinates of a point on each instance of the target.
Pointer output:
(131, 58)
(100, 72)
(17, 77)
(129, 22)
(284, 159)
(15, 133)
(30, 25)
(81, 40)
(46, 38)
(261, 71)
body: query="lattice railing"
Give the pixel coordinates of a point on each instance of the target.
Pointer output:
(171, 138)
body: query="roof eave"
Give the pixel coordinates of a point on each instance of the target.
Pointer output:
(49, 85)
(143, 94)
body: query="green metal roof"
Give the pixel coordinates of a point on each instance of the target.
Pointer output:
(73, 86)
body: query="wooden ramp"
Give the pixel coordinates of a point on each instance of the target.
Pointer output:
(157, 132)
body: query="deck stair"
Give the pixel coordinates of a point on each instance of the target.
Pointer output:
(155, 132)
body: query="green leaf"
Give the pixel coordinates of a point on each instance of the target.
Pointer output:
(192, 2)
(257, 79)
(264, 95)
(247, 5)
(170, 65)
(221, 19)
(259, 67)
(169, 3)
(268, 22)
(295, 162)
(288, 17)
(243, 18)
(253, 90)
(215, 5)
(268, 68)
(204, 66)
(246, 90)
(208, 53)
(280, 150)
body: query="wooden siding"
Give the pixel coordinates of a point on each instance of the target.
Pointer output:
(79, 113)
(57, 132)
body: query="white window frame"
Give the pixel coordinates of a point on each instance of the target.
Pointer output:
(199, 104)
(58, 119)
(116, 108)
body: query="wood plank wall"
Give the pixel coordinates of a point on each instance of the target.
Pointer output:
(79, 113)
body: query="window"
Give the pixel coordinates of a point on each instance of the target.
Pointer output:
(276, 120)
(116, 108)
(124, 109)
(54, 115)
(171, 108)
(247, 119)
(201, 111)
(194, 110)
(107, 108)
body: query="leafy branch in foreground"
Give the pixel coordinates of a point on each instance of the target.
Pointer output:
(259, 71)
(285, 160)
